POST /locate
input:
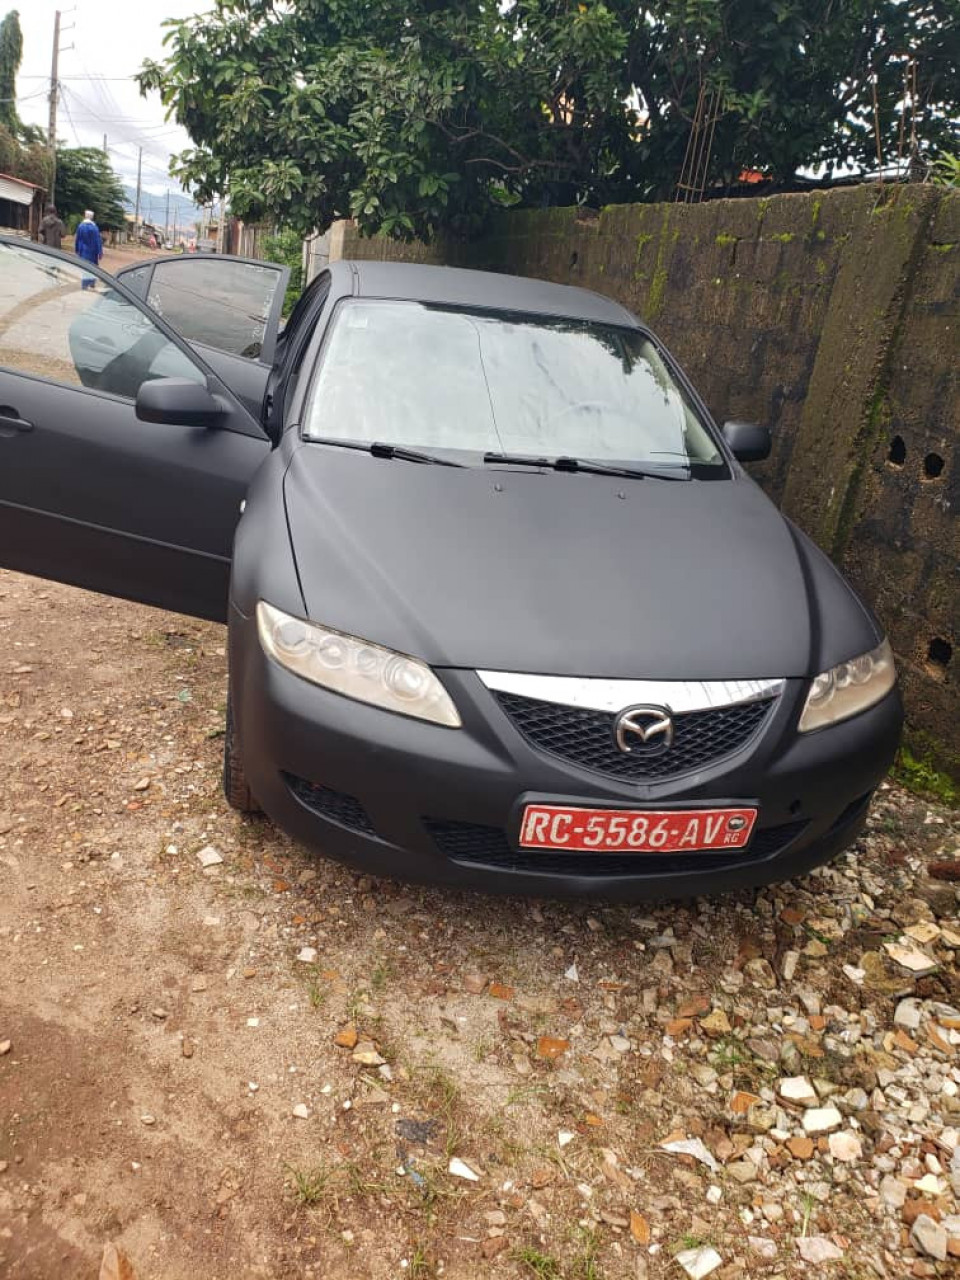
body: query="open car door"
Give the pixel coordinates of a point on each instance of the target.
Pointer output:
(228, 308)
(92, 493)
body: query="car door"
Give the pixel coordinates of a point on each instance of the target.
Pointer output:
(91, 494)
(227, 308)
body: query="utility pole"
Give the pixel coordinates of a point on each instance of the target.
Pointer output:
(54, 88)
(166, 218)
(136, 212)
(104, 144)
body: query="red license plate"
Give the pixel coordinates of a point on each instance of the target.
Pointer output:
(565, 827)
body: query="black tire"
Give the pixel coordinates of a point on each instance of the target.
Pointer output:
(235, 785)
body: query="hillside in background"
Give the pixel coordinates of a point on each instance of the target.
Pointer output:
(153, 207)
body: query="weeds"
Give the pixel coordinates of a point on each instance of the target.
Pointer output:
(538, 1264)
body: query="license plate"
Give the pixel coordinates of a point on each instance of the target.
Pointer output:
(566, 827)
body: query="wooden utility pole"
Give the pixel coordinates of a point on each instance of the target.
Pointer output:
(166, 219)
(54, 89)
(104, 144)
(136, 212)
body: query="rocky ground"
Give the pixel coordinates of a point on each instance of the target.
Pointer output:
(230, 1060)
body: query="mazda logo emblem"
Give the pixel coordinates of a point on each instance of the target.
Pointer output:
(652, 725)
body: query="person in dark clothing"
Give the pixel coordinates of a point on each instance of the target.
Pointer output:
(51, 229)
(88, 245)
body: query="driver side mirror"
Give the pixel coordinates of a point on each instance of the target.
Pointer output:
(747, 442)
(179, 402)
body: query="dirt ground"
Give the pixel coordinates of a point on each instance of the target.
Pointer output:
(172, 1081)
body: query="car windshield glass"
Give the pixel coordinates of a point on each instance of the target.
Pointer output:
(435, 378)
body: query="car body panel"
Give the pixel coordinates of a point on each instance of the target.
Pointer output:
(597, 575)
(92, 495)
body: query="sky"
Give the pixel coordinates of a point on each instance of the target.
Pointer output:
(108, 42)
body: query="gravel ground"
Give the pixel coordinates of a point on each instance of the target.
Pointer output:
(268, 1066)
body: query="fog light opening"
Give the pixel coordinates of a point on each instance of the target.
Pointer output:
(898, 452)
(932, 466)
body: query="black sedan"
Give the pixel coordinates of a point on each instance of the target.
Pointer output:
(504, 609)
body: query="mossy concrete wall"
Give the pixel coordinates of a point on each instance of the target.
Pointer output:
(834, 318)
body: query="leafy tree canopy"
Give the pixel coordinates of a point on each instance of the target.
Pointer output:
(417, 115)
(11, 52)
(86, 180)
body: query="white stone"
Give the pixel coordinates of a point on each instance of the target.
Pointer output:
(766, 1249)
(929, 1185)
(564, 1138)
(893, 1192)
(845, 1147)
(822, 1120)
(208, 856)
(908, 1014)
(307, 955)
(698, 1263)
(620, 1043)
(929, 1237)
(918, 962)
(818, 1249)
(461, 1170)
(301, 1111)
(797, 1089)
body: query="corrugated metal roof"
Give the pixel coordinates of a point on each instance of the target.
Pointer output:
(15, 190)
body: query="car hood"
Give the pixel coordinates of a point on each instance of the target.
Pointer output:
(564, 574)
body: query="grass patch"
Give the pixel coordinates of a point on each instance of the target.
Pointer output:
(919, 775)
(310, 1186)
(538, 1264)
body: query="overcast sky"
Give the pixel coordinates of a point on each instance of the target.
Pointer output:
(109, 41)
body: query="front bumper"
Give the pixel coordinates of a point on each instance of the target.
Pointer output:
(398, 797)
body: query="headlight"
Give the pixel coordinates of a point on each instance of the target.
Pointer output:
(848, 688)
(355, 668)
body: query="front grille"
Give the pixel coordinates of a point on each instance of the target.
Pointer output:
(335, 805)
(585, 737)
(475, 845)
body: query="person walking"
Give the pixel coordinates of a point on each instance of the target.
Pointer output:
(88, 245)
(51, 230)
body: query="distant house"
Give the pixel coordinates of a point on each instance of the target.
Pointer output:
(21, 205)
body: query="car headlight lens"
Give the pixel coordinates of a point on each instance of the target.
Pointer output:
(849, 688)
(355, 668)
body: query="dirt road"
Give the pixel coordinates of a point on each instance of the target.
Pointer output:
(173, 1083)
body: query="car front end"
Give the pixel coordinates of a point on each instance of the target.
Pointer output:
(464, 653)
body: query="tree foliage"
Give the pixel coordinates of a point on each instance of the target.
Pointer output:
(416, 115)
(11, 52)
(86, 180)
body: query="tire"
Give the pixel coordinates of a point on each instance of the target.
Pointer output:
(235, 785)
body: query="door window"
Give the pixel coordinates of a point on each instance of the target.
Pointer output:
(55, 324)
(217, 302)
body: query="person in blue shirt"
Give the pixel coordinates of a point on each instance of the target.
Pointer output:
(88, 245)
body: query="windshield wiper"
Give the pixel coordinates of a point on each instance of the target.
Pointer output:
(577, 464)
(381, 450)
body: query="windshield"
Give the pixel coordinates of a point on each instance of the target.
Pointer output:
(433, 378)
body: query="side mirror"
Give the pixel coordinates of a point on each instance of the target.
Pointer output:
(179, 402)
(747, 443)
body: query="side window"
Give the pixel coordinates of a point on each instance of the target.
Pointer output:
(55, 324)
(137, 280)
(216, 302)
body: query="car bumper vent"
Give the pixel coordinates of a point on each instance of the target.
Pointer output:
(337, 806)
(585, 737)
(476, 845)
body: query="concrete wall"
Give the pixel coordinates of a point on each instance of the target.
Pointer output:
(834, 318)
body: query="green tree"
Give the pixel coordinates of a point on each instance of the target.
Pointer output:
(86, 180)
(419, 115)
(11, 52)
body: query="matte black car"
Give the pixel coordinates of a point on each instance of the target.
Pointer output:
(504, 609)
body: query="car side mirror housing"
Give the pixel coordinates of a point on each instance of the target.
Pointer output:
(747, 442)
(179, 402)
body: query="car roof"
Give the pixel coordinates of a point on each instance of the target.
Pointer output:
(485, 289)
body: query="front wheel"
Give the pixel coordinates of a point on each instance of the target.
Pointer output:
(235, 785)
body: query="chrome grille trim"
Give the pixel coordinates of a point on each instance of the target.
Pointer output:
(592, 694)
